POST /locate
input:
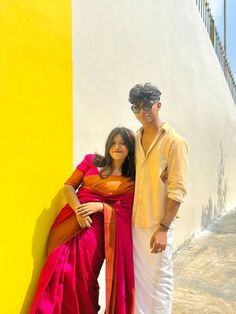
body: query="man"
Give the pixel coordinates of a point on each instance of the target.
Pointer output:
(161, 168)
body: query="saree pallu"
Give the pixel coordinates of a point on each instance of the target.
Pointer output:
(68, 281)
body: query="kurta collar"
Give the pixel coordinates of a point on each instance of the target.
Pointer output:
(164, 128)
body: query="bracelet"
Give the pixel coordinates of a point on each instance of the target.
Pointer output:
(164, 226)
(102, 206)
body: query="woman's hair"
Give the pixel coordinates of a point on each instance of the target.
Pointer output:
(106, 162)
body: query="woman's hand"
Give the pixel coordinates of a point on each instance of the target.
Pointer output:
(84, 222)
(90, 208)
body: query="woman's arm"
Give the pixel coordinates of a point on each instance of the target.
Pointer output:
(74, 203)
(71, 196)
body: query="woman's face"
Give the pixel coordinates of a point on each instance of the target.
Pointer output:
(118, 150)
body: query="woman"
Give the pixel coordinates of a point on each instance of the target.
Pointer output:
(95, 224)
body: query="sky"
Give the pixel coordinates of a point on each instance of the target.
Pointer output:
(217, 9)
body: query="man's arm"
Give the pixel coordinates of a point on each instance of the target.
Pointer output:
(159, 239)
(176, 190)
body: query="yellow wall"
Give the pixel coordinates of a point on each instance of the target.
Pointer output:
(36, 136)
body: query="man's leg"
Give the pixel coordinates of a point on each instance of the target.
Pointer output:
(153, 274)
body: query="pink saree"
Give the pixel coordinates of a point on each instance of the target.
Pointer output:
(68, 281)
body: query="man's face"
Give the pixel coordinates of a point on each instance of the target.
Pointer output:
(146, 112)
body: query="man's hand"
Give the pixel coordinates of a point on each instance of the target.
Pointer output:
(158, 240)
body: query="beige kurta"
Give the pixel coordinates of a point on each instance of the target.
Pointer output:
(160, 174)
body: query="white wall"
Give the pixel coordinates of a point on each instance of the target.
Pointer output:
(117, 44)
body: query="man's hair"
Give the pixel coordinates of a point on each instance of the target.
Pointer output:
(146, 93)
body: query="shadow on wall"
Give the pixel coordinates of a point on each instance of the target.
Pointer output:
(44, 223)
(182, 245)
(211, 210)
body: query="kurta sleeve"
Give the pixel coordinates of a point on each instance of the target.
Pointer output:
(177, 171)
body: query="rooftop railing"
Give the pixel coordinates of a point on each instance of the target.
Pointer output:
(208, 20)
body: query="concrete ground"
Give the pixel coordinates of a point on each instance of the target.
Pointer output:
(205, 271)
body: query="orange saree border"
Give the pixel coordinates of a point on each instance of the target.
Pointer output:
(63, 233)
(110, 242)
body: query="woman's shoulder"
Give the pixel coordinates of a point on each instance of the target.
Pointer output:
(86, 163)
(89, 157)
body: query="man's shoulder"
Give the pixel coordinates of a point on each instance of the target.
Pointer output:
(173, 136)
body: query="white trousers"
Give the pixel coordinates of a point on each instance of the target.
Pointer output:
(153, 274)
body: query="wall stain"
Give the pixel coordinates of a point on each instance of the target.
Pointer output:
(213, 210)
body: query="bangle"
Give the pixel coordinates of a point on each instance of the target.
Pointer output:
(164, 226)
(102, 206)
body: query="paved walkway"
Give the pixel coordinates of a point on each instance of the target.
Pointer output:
(205, 271)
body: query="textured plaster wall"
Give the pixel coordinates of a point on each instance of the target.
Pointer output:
(119, 43)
